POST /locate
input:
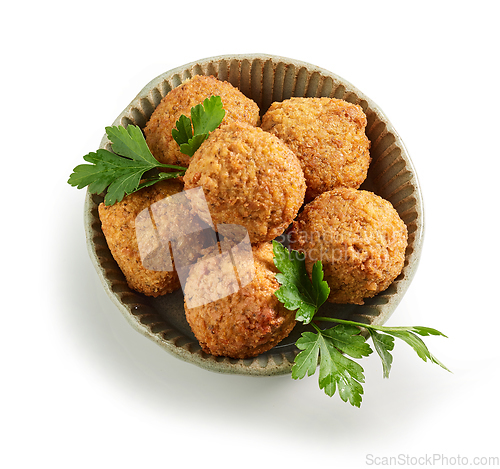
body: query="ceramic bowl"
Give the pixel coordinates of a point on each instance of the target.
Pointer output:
(265, 79)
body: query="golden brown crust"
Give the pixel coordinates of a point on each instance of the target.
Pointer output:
(328, 137)
(180, 100)
(250, 178)
(140, 246)
(359, 238)
(118, 226)
(245, 323)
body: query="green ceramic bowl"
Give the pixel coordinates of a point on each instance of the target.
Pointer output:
(265, 79)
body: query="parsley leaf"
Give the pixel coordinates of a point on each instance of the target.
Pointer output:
(383, 345)
(297, 291)
(409, 335)
(182, 131)
(205, 118)
(208, 117)
(347, 339)
(307, 360)
(336, 371)
(121, 172)
(331, 347)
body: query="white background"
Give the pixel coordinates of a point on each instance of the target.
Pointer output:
(80, 388)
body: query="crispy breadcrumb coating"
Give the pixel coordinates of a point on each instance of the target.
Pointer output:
(359, 238)
(245, 323)
(328, 137)
(140, 245)
(250, 178)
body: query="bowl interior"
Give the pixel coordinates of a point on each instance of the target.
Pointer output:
(264, 79)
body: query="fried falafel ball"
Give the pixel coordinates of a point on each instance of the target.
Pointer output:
(245, 323)
(327, 135)
(250, 178)
(359, 238)
(139, 244)
(180, 100)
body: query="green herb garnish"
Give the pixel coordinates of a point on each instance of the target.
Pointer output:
(121, 172)
(331, 347)
(205, 118)
(297, 291)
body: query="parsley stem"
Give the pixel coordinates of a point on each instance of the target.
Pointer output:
(171, 166)
(387, 329)
(315, 327)
(359, 324)
(342, 321)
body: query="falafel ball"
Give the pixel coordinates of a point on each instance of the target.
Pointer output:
(180, 100)
(359, 238)
(139, 245)
(327, 135)
(243, 324)
(250, 178)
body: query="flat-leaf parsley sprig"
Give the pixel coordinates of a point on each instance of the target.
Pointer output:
(332, 347)
(121, 172)
(131, 166)
(205, 118)
(297, 292)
